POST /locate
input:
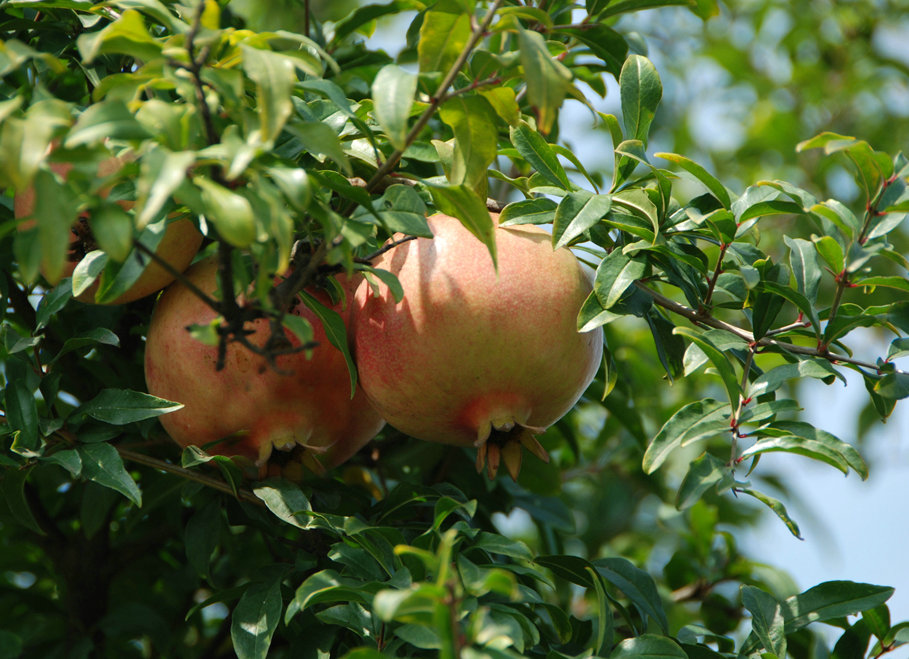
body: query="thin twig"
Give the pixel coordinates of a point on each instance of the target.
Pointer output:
(177, 275)
(188, 474)
(438, 98)
(700, 318)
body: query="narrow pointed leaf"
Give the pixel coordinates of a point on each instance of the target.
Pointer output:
(547, 79)
(123, 406)
(539, 155)
(335, 331)
(648, 646)
(704, 474)
(767, 619)
(636, 584)
(274, 75)
(576, 213)
(465, 204)
(443, 34)
(717, 189)
(614, 275)
(102, 464)
(393, 91)
(641, 91)
(473, 123)
(778, 509)
(255, 619)
(718, 360)
(698, 420)
(803, 439)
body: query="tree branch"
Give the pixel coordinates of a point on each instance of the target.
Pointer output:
(438, 98)
(701, 318)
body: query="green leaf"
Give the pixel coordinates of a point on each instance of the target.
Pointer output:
(648, 646)
(703, 8)
(778, 509)
(704, 474)
(767, 620)
(641, 91)
(392, 92)
(112, 227)
(804, 439)
(115, 279)
(463, 203)
(576, 213)
(364, 15)
(364, 653)
(11, 645)
(325, 587)
(694, 421)
(831, 251)
(770, 381)
(539, 155)
(899, 283)
(335, 331)
(712, 183)
(615, 274)
(231, 213)
(320, 140)
(201, 536)
(539, 210)
(443, 35)
(56, 208)
(387, 278)
(837, 213)
(91, 338)
(102, 464)
(803, 261)
(255, 619)
(893, 386)
(547, 79)
(573, 569)
(274, 75)
(637, 584)
(718, 360)
(604, 42)
(21, 410)
(294, 183)
(472, 121)
(830, 600)
(898, 348)
(122, 406)
(827, 140)
(12, 493)
(160, 174)
(404, 211)
(125, 36)
(286, 500)
(604, 622)
(110, 119)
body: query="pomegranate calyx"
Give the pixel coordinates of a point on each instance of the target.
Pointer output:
(505, 440)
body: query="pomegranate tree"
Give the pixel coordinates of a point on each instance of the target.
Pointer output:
(248, 408)
(471, 356)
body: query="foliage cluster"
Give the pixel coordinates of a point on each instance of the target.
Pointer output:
(310, 149)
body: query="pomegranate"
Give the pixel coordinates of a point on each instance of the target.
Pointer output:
(248, 408)
(178, 246)
(469, 356)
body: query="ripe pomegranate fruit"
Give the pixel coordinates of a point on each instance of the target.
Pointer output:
(178, 246)
(248, 408)
(471, 357)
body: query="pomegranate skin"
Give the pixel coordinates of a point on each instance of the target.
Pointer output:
(467, 353)
(248, 408)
